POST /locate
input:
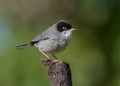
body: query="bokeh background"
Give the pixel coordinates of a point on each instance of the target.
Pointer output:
(94, 51)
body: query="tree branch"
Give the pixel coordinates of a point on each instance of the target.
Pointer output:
(59, 72)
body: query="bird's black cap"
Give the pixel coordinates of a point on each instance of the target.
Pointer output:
(63, 26)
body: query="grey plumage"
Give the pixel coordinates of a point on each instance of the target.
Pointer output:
(52, 40)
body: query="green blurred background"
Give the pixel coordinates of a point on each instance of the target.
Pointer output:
(94, 51)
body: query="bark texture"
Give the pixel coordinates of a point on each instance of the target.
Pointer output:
(59, 72)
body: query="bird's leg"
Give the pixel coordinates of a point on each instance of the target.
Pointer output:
(44, 54)
(55, 57)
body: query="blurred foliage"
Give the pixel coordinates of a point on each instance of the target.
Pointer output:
(94, 51)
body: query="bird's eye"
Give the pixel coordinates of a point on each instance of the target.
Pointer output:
(65, 28)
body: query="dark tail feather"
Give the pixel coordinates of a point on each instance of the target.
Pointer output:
(23, 46)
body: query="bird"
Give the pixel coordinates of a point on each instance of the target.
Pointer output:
(53, 40)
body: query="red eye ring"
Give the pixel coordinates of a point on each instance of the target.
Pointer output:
(65, 28)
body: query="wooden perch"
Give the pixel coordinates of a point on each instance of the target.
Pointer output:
(59, 72)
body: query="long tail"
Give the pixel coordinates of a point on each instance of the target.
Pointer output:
(23, 46)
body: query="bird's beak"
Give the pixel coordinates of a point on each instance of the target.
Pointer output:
(73, 29)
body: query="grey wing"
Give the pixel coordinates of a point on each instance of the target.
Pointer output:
(46, 34)
(40, 37)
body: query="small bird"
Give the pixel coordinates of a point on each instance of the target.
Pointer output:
(53, 40)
